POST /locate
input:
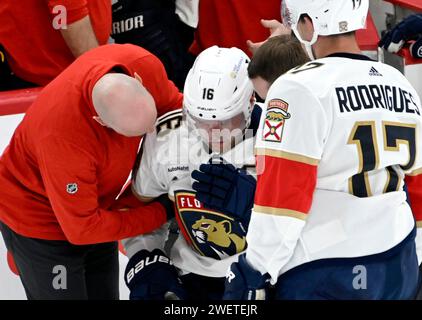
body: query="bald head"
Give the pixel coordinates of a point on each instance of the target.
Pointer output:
(124, 105)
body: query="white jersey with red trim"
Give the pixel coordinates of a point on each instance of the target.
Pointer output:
(209, 241)
(338, 137)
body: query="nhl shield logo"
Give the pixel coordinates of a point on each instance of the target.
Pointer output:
(274, 120)
(209, 232)
(72, 188)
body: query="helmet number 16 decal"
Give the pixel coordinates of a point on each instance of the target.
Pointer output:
(208, 94)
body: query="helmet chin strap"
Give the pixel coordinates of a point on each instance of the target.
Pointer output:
(307, 44)
(309, 50)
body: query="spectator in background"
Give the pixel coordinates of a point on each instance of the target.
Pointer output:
(271, 59)
(41, 38)
(178, 30)
(407, 32)
(231, 23)
(156, 25)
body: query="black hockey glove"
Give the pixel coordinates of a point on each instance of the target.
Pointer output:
(245, 283)
(152, 276)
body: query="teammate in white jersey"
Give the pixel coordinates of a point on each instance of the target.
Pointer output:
(218, 95)
(338, 139)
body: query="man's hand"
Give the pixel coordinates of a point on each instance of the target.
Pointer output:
(225, 188)
(275, 28)
(409, 29)
(152, 276)
(245, 283)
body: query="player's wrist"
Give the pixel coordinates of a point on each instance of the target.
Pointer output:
(168, 206)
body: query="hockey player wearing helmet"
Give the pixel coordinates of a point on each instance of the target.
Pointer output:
(219, 123)
(213, 125)
(218, 97)
(339, 139)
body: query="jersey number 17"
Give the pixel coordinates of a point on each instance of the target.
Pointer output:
(364, 136)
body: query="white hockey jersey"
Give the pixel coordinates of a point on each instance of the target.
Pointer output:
(338, 138)
(209, 241)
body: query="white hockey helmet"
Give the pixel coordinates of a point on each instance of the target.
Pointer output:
(329, 17)
(218, 88)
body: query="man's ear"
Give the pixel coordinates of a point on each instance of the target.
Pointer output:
(138, 77)
(98, 119)
(309, 27)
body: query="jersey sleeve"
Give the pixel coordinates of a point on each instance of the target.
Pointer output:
(150, 180)
(414, 190)
(289, 146)
(70, 180)
(75, 9)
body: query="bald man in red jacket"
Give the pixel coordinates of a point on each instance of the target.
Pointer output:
(66, 163)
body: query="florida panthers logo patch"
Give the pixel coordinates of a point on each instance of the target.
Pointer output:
(209, 232)
(274, 120)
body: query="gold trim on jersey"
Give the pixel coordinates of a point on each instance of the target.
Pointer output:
(280, 212)
(398, 141)
(418, 224)
(357, 142)
(397, 147)
(399, 180)
(286, 155)
(415, 172)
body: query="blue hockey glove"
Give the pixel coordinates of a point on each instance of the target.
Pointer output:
(409, 29)
(245, 283)
(152, 276)
(227, 189)
(416, 49)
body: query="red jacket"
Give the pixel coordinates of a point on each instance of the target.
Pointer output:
(62, 170)
(36, 51)
(229, 23)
